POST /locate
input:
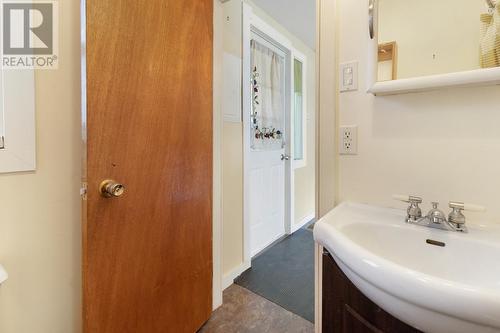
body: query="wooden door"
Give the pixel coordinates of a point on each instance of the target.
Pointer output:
(148, 253)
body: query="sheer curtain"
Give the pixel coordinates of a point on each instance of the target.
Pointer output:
(268, 98)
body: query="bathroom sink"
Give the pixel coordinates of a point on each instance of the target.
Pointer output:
(3, 275)
(435, 280)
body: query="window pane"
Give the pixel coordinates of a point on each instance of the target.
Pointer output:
(298, 111)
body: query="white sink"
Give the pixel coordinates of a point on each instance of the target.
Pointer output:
(3, 275)
(455, 288)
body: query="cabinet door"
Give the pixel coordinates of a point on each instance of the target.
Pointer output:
(347, 310)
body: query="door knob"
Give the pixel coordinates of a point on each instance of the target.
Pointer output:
(285, 157)
(111, 189)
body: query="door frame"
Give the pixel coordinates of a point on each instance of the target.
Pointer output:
(252, 24)
(326, 94)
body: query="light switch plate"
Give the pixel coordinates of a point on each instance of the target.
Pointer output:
(349, 76)
(348, 140)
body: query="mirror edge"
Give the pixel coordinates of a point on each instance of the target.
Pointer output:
(477, 77)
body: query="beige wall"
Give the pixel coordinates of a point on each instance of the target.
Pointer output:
(450, 31)
(442, 145)
(232, 154)
(233, 146)
(40, 212)
(327, 36)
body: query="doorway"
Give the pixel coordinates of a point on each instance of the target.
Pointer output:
(278, 131)
(269, 155)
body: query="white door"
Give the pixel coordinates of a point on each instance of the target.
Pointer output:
(267, 155)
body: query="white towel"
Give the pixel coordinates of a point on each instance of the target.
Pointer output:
(490, 41)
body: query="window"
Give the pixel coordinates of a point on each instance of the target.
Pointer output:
(299, 114)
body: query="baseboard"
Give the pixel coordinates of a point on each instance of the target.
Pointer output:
(303, 221)
(229, 278)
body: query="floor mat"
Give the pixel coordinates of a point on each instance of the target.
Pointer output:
(284, 274)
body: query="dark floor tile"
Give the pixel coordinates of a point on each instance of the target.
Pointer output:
(284, 274)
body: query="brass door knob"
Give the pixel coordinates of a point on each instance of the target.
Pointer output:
(111, 189)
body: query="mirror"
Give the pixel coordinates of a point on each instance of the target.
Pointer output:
(434, 43)
(429, 37)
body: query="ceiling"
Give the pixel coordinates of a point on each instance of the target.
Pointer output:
(297, 16)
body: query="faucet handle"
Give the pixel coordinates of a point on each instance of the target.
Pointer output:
(407, 198)
(414, 211)
(457, 218)
(468, 207)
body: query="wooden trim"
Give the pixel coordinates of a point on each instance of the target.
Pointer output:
(389, 52)
(318, 287)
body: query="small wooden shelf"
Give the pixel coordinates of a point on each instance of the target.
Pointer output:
(389, 52)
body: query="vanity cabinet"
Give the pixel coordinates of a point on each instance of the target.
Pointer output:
(347, 310)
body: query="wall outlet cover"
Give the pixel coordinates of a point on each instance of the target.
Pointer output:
(348, 140)
(349, 76)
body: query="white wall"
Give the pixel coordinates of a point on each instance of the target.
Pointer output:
(433, 37)
(233, 145)
(40, 230)
(442, 145)
(217, 167)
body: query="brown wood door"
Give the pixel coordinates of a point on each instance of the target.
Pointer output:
(148, 254)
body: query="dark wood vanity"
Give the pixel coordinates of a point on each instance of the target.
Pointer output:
(347, 310)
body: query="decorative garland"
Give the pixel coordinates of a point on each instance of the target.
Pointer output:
(264, 133)
(256, 86)
(267, 133)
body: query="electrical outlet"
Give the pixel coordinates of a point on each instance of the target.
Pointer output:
(348, 140)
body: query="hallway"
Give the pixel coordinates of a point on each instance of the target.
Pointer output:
(276, 294)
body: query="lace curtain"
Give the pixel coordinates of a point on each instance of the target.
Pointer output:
(267, 98)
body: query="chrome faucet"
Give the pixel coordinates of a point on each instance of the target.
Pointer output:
(435, 218)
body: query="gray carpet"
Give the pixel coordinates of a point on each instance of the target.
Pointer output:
(284, 274)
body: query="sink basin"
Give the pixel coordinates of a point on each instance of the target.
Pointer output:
(434, 288)
(3, 275)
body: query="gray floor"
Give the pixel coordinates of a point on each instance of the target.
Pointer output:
(246, 312)
(284, 274)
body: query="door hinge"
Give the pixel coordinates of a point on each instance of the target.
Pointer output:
(2, 142)
(83, 191)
